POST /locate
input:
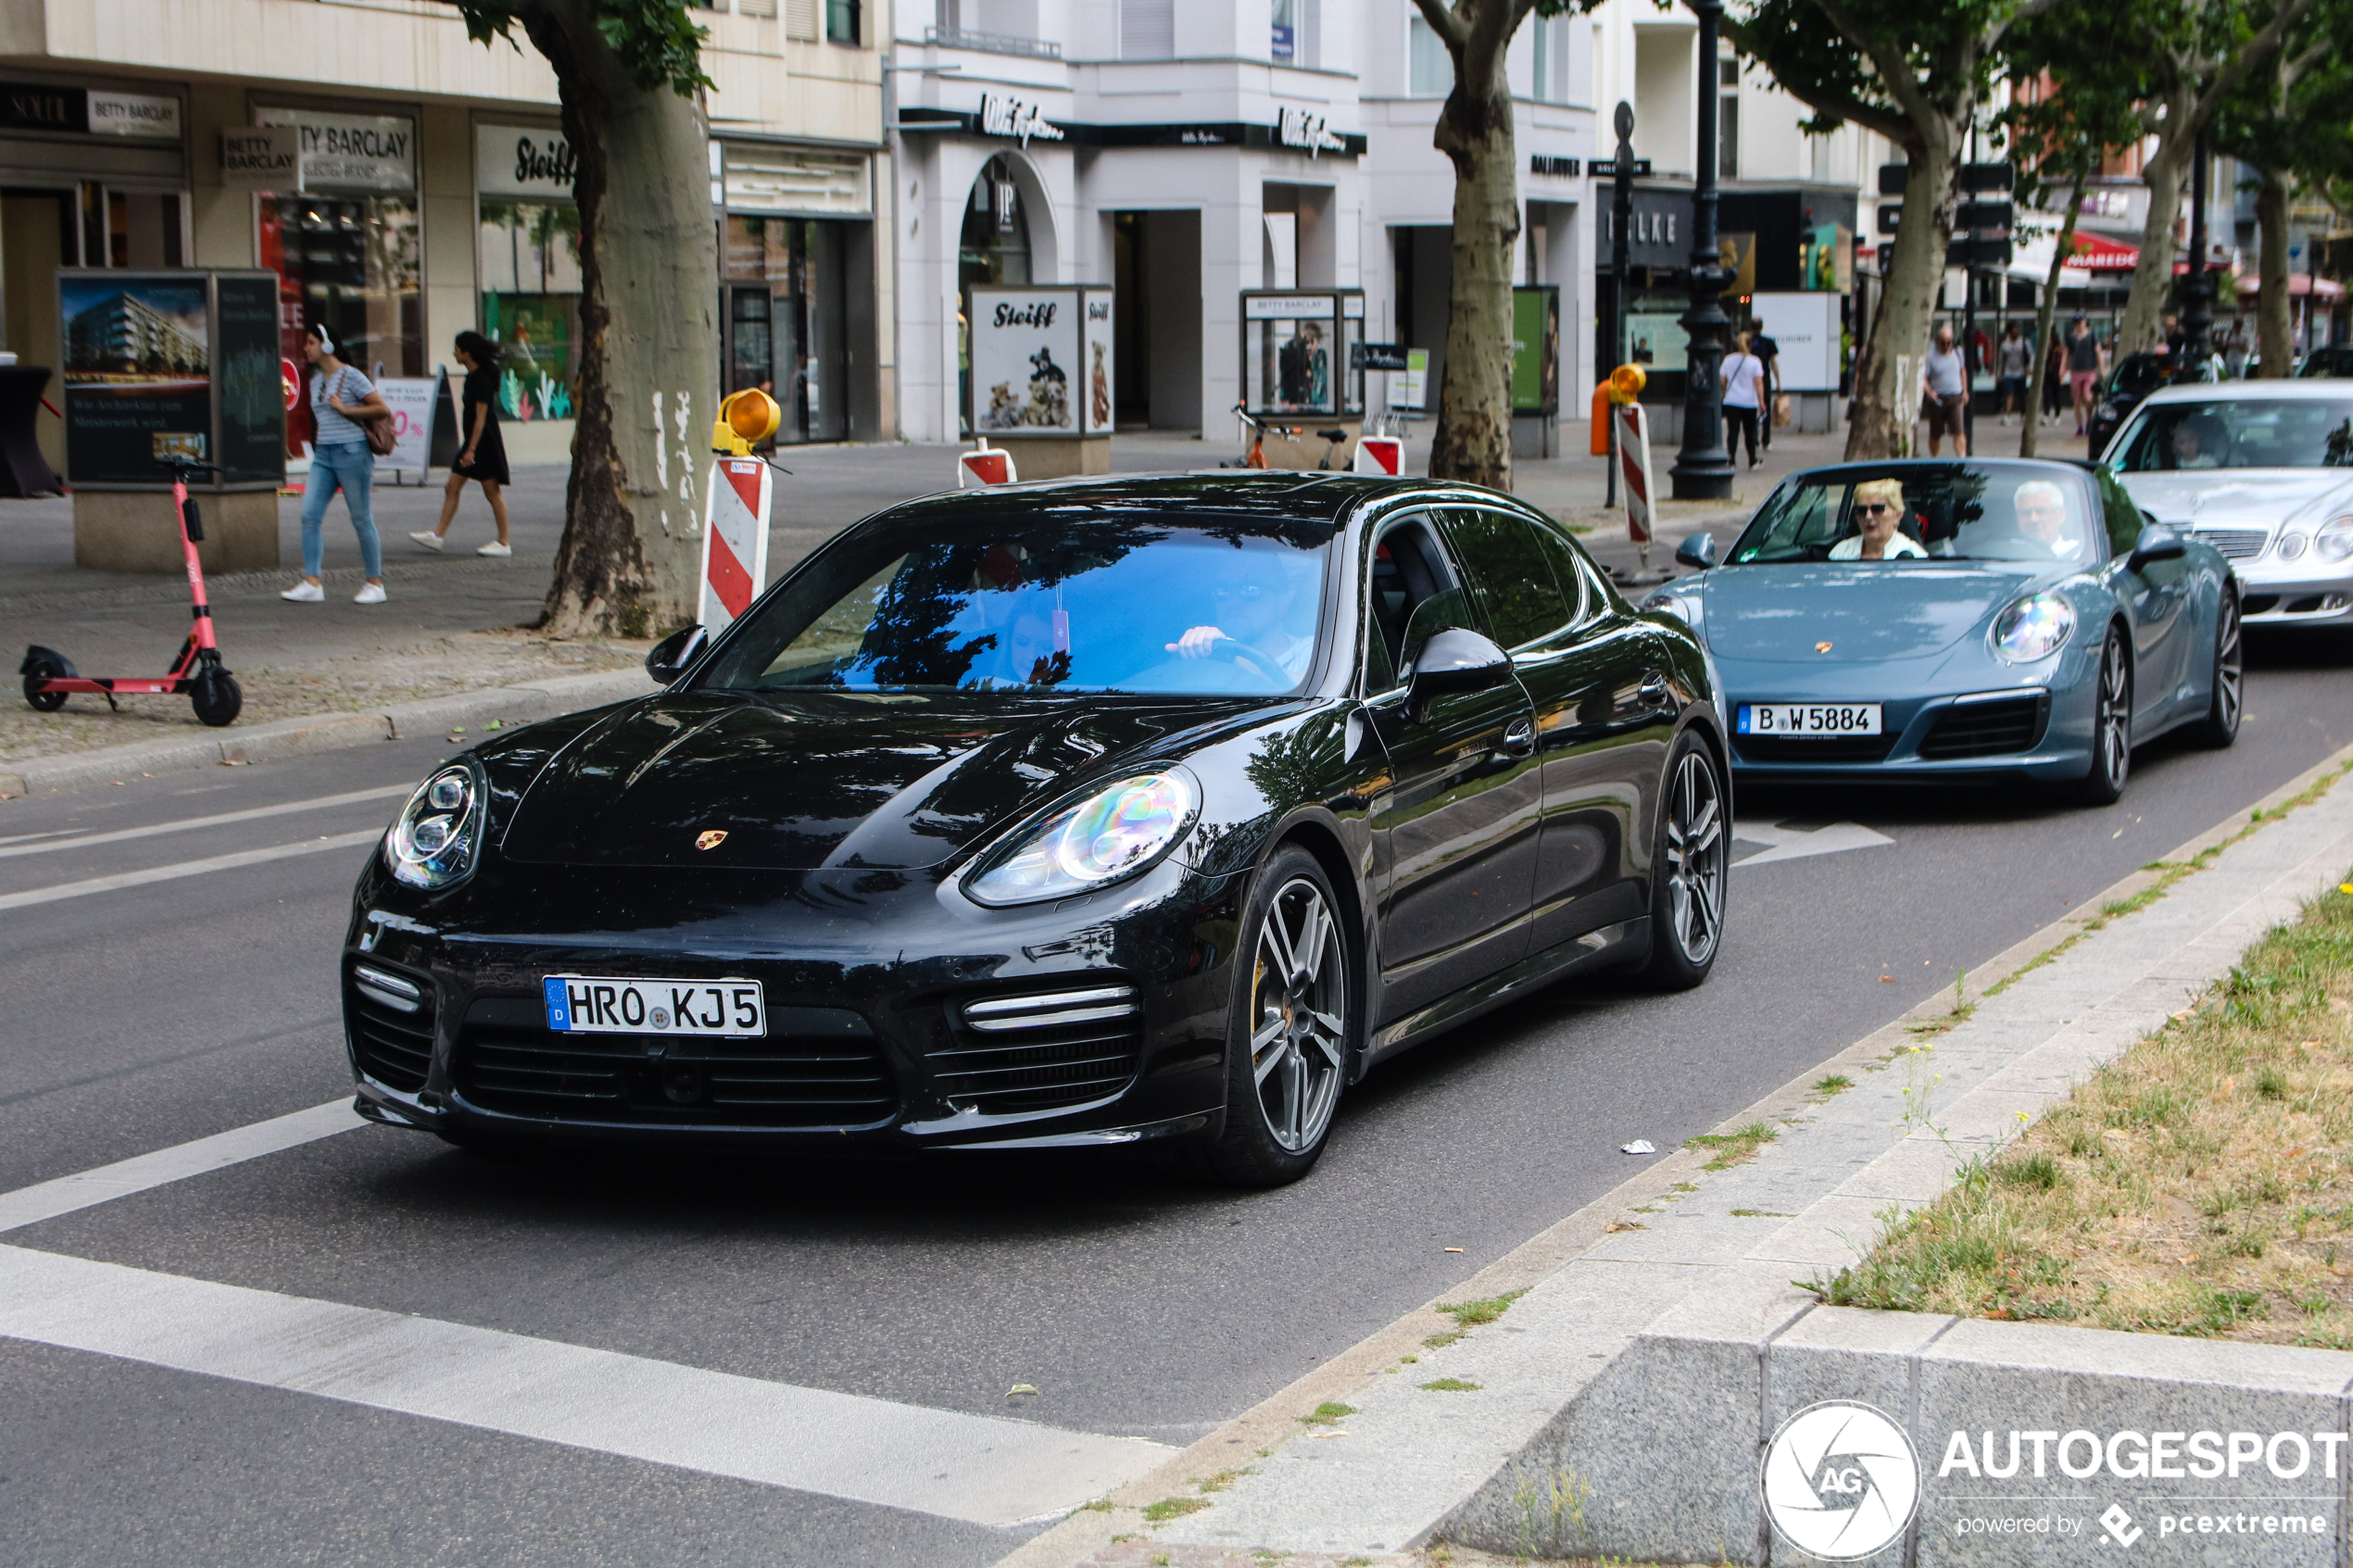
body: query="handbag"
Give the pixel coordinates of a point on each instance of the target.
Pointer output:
(375, 428)
(1780, 410)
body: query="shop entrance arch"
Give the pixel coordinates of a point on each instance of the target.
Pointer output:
(1007, 238)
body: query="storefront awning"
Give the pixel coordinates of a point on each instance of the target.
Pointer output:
(2301, 286)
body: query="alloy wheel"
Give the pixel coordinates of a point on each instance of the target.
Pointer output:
(2115, 717)
(1695, 857)
(1299, 1016)
(2230, 665)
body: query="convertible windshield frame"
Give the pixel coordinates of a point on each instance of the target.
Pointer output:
(1079, 573)
(1961, 511)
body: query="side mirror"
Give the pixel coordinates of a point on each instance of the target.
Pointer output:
(2156, 543)
(1456, 659)
(1697, 551)
(675, 654)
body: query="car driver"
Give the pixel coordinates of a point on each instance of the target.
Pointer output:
(1252, 596)
(2196, 444)
(2043, 521)
(1879, 507)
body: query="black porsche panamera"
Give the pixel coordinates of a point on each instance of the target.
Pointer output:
(1077, 813)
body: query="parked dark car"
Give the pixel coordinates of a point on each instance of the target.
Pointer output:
(1082, 814)
(2337, 359)
(2133, 378)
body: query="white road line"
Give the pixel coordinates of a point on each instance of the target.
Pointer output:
(980, 1469)
(1795, 843)
(47, 1200)
(186, 868)
(13, 847)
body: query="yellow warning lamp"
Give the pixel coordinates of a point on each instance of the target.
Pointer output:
(1626, 383)
(745, 420)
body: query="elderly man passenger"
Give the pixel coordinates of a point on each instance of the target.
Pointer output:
(2042, 518)
(1879, 507)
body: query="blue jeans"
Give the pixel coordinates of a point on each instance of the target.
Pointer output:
(352, 470)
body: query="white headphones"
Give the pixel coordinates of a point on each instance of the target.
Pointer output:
(326, 340)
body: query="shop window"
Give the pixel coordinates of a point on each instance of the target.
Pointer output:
(786, 305)
(1146, 30)
(1551, 40)
(351, 264)
(841, 21)
(994, 248)
(1429, 70)
(531, 288)
(1728, 120)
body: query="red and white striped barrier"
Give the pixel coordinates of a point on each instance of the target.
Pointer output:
(734, 539)
(1382, 455)
(1634, 468)
(987, 466)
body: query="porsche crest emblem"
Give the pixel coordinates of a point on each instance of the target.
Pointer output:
(1819, 647)
(711, 838)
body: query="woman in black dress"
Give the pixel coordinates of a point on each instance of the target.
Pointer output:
(482, 455)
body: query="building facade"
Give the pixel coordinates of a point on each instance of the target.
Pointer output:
(431, 187)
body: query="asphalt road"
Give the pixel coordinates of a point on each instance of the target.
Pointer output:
(145, 1016)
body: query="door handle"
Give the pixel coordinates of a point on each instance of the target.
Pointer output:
(1519, 736)
(1654, 693)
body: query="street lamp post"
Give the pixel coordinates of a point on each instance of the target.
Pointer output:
(1621, 221)
(1702, 469)
(2197, 294)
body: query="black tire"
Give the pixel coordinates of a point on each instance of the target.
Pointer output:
(1286, 1056)
(1690, 861)
(35, 671)
(2111, 727)
(216, 696)
(2220, 725)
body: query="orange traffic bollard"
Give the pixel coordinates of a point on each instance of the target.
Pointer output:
(1601, 420)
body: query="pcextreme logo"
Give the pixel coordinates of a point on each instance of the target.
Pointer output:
(1840, 1480)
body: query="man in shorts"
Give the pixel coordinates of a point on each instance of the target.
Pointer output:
(1944, 381)
(2083, 370)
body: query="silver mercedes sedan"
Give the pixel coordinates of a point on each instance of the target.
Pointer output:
(2263, 472)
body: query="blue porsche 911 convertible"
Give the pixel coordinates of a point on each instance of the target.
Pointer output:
(1942, 621)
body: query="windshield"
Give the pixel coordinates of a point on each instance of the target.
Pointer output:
(1893, 516)
(1103, 603)
(2231, 432)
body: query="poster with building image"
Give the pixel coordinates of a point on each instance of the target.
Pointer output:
(1031, 361)
(138, 373)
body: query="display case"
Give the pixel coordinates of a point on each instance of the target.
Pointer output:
(1297, 353)
(1042, 360)
(170, 363)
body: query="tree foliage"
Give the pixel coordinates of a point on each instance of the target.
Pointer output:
(658, 39)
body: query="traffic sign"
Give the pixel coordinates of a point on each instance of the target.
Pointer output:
(1986, 217)
(1894, 177)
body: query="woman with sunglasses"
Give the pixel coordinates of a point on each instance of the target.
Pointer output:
(1879, 508)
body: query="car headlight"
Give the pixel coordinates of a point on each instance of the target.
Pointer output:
(2035, 627)
(1114, 833)
(2292, 545)
(2334, 541)
(1683, 607)
(434, 840)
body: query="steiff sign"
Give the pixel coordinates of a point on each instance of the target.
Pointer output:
(261, 157)
(518, 160)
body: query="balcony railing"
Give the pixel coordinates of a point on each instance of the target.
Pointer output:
(992, 43)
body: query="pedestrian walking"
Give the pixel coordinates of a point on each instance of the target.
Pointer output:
(2055, 379)
(2014, 365)
(340, 397)
(1945, 389)
(2235, 349)
(483, 457)
(1761, 344)
(2083, 370)
(1743, 397)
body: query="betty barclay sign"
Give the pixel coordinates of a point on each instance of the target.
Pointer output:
(1298, 128)
(83, 112)
(1016, 118)
(352, 152)
(520, 160)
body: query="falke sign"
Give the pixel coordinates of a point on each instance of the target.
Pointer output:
(521, 160)
(1310, 133)
(1018, 119)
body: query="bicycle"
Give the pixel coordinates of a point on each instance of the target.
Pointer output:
(1255, 458)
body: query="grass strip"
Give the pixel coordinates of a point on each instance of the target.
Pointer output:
(1734, 1148)
(2199, 1183)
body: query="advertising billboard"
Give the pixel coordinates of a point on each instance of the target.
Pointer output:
(177, 363)
(1041, 359)
(1536, 349)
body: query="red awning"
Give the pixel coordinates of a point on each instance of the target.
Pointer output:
(2299, 285)
(2103, 254)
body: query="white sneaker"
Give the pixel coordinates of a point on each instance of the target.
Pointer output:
(495, 548)
(372, 594)
(430, 540)
(304, 594)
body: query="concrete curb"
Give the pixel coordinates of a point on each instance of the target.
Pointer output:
(323, 732)
(1507, 1467)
